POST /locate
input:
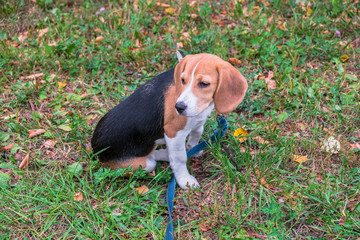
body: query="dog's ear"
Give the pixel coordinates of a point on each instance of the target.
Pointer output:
(231, 88)
(179, 55)
(180, 68)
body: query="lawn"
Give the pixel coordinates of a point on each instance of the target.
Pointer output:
(63, 65)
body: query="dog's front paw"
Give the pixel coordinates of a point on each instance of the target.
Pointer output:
(187, 182)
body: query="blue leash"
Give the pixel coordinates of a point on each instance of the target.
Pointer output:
(223, 126)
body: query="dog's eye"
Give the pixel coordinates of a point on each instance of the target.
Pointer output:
(183, 81)
(203, 84)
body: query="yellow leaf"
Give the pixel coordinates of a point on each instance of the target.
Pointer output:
(240, 133)
(61, 85)
(142, 190)
(170, 10)
(344, 58)
(300, 159)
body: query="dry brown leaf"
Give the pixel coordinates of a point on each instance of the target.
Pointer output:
(102, 19)
(43, 31)
(97, 30)
(36, 75)
(49, 143)
(300, 159)
(164, 5)
(8, 147)
(142, 190)
(325, 109)
(263, 181)
(271, 83)
(78, 196)
(234, 61)
(23, 36)
(179, 45)
(24, 162)
(355, 145)
(260, 140)
(270, 19)
(99, 39)
(33, 133)
(204, 227)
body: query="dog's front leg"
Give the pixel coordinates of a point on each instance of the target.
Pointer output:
(194, 138)
(178, 159)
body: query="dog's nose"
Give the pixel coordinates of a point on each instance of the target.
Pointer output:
(180, 107)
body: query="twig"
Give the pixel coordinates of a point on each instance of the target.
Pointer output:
(231, 156)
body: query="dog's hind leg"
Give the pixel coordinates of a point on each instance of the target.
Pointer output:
(157, 155)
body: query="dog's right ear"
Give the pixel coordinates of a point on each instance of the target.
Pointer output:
(179, 55)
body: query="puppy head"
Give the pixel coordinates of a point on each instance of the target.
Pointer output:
(203, 79)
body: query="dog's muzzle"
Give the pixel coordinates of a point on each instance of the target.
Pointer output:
(180, 107)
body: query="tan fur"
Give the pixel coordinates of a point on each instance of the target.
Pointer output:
(227, 85)
(231, 88)
(135, 163)
(172, 122)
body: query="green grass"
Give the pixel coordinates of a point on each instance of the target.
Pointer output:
(272, 196)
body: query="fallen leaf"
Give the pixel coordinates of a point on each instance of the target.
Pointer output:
(164, 5)
(300, 159)
(32, 76)
(43, 31)
(33, 133)
(240, 133)
(344, 58)
(4, 180)
(324, 109)
(23, 36)
(24, 162)
(234, 61)
(270, 19)
(352, 145)
(49, 143)
(142, 190)
(271, 83)
(102, 19)
(263, 181)
(260, 140)
(66, 128)
(99, 39)
(76, 169)
(170, 10)
(78, 196)
(204, 227)
(61, 85)
(8, 147)
(179, 45)
(97, 30)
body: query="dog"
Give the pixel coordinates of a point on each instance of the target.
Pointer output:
(166, 110)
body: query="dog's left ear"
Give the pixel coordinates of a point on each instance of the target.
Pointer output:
(231, 88)
(179, 55)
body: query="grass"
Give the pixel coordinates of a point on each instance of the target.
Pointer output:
(82, 76)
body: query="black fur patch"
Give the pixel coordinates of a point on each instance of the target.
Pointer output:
(131, 128)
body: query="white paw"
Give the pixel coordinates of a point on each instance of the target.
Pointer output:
(150, 165)
(187, 182)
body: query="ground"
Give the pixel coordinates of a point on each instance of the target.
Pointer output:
(63, 65)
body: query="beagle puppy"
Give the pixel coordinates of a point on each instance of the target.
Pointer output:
(166, 110)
